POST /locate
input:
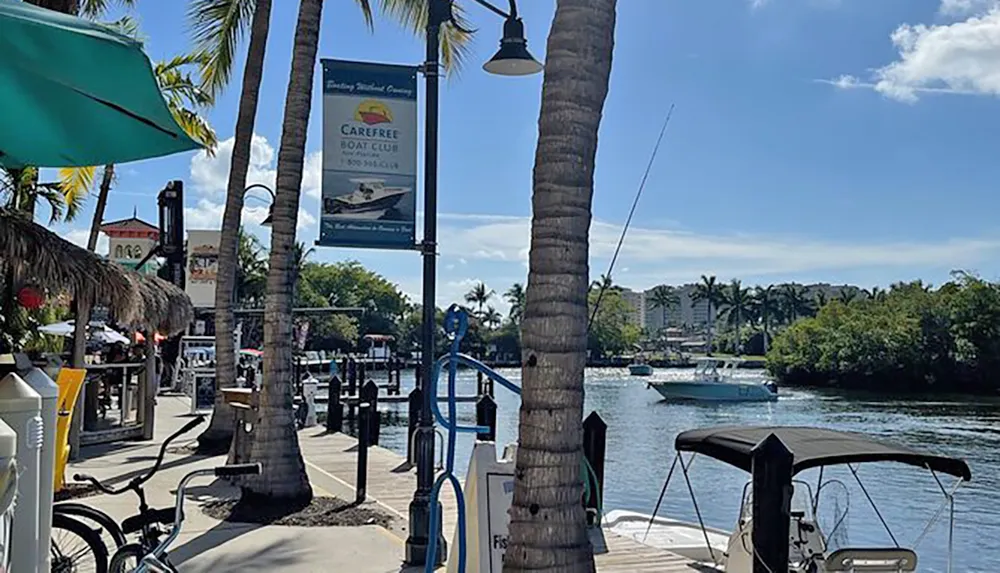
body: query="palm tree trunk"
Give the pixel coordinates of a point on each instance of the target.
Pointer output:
(217, 437)
(275, 442)
(711, 326)
(102, 202)
(548, 530)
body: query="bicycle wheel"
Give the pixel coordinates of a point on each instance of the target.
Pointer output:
(76, 547)
(110, 528)
(126, 558)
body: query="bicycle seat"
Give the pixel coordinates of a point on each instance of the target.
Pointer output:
(135, 523)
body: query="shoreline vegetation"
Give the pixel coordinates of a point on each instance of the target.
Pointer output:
(912, 338)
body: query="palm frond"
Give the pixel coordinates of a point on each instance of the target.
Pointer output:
(76, 183)
(97, 8)
(366, 12)
(412, 14)
(182, 93)
(217, 27)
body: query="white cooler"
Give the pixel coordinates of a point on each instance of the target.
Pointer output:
(21, 409)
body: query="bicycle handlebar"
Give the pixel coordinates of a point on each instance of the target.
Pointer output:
(137, 481)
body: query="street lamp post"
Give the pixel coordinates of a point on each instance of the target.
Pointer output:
(512, 59)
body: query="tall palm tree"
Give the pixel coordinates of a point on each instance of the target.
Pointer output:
(479, 296)
(795, 302)
(218, 27)
(515, 296)
(547, 521)
(605, 283)
(275, 442)
(737, 302)
(821, 299)
(710, 291)
(766, 307)
(847, 295)
(665, 298)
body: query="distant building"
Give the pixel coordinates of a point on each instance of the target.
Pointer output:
(637, 300)
(130, 241)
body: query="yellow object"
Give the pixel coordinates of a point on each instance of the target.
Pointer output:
(70, 381)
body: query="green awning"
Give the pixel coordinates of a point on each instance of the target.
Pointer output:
(75, 93)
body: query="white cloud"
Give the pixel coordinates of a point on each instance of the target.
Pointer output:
(210, 174)
(964, 7)
(207, 214)
(80, 237)
(664, 253)
(962, 57)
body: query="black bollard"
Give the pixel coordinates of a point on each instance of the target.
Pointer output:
(486, 415)
(352, 387)
(772, 499)
(480, 387)
(369, 394)
(334, 409)
(595, 433)
(416, 400)
(361, 486)
(362, 372)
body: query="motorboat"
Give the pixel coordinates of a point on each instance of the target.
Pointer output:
(810, 549)
(371, 196)
(714, 381)
(640, 369)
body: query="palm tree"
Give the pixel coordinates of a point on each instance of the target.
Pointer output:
(218, 27)
(479, 296)
(821, 299)
(709, 291)
(847, 295)
(605, 283)
(795, 302)
(491, 318)
(766, 307)
(547, 521)
(876, 294)
(737, 302)
(515, 296)
(665, 298)
(275, 442)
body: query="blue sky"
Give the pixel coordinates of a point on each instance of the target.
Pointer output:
(813, 140)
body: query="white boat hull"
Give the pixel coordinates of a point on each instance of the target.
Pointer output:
(685, 539)
(714, 391)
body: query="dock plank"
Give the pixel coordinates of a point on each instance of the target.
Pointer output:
(391, 483)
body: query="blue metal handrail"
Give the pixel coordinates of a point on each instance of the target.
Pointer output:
(456, 323)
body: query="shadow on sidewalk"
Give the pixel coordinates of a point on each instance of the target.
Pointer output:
(267, 557)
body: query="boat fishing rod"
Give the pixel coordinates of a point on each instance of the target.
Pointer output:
(635, 202)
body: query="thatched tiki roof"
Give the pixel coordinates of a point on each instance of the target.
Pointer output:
(54, 263)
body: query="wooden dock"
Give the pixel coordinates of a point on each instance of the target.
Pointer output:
(391, 483)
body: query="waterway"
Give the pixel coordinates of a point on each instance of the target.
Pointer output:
(642, 428)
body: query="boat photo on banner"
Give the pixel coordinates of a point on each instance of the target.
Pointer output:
(369, 155)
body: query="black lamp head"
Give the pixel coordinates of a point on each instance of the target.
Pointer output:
(270, 217)
(513, 58)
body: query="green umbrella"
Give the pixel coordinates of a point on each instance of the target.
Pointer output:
(75, 93)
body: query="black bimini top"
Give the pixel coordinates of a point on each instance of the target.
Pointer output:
(811, 447)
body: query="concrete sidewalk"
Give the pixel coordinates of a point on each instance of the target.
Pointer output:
(208, 545)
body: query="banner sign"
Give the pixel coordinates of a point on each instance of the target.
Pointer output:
(369, 155)
(203, 266)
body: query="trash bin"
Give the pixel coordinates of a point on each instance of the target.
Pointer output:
(21, 408)
(8, 490)
(49, 393)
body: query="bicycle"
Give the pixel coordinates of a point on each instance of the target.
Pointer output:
(135, 558)
(76, 547)
(147, 522)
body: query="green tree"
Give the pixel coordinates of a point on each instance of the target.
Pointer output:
(479, 296)
(612, 331)
(847, 295)
(491, 318)
(710, 291)
(665, 298)
(515, 296)
(821, 299)
(736, 304)
(766, 307)
(548, 528)
(795, 302)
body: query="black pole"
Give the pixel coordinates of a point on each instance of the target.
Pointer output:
(595, 433)
(439, 11)
(772, 498)
(361, 486)
(334, 409)
(486, 416)
(415, 401)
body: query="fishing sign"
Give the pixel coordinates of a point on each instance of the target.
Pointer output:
(369, 155)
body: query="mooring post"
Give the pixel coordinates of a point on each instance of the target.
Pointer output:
(352, 387)
(486, 415)
(369, 394)
(772, 498)
(362, 372)
(399, 371)
(595, 434)
(334, 409)
(361, 485)
(415, 400)
(480, 387)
